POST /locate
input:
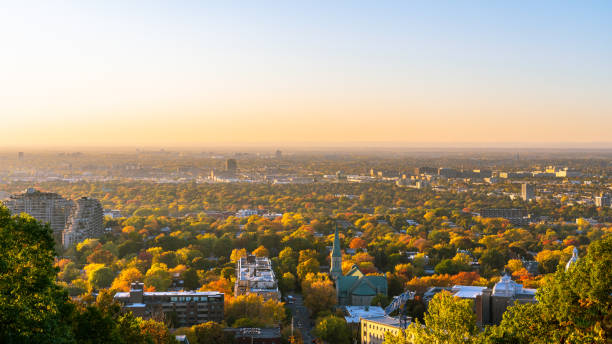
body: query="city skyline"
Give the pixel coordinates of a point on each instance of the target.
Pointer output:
(346, 74)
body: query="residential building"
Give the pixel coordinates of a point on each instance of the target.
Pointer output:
(374, 330)
(86, 221)
(354, 288)
(527, 192)
(46, 207)
(181, 308)
(254, 275)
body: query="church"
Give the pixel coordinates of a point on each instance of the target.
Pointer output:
(354, 288)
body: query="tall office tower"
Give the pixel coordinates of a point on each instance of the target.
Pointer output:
(279, 154)
(528, 192)
(20, 155)
(603, 200)
(231, 165)
(85, 221)
(46, 207)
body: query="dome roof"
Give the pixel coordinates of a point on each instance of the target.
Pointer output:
(573, 259)
(506, 287)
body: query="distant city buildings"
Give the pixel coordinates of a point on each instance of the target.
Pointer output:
(231, 165)
(254, 275)
(179, 308)
(20, 155)
(527, 192)
(86, 221)
(603, 200)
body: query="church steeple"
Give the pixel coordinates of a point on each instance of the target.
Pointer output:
(336, 257)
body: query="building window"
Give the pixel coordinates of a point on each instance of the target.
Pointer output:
(173, 298)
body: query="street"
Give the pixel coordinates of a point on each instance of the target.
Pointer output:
(301, 318)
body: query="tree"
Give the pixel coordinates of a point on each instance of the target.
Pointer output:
(319, 293)
(253, 306)
(158, 277)
(125, 278)
(448, 319)
(100, 276)
(310, 265)
(157, 332)
(261, 252)
(574, 304)
(238, 253)
(333, 329)
(212, 333)
(288, 282)
(358, 243)
(33, 308)
(190, 279)
(101, 256)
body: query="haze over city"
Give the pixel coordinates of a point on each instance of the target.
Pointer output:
(341, 74)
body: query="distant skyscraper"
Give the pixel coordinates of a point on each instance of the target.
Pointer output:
(46, 207)
(602, 200)
(279, 154)
(231, 165)
(85, 221)
(20, 155)
(528, 192)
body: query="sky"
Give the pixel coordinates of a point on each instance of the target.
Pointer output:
(311, 73)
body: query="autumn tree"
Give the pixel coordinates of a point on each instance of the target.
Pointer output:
(333, 329)
(319, 292)
(261, 252)
(448, 319)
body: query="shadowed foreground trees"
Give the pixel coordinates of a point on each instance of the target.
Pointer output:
(34, 309)
(574, 306)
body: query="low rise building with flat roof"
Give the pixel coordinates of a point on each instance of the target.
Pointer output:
(181, 308)
(374, 330)
(254, 275)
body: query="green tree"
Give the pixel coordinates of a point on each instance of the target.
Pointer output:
(100, 277)
(448, 320)
(158, 277)
(333, 329)
(574, 304)
(33, 308)
(212, 333)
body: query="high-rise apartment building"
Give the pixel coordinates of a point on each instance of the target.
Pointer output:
(46, 207)
(527, 192)
(86, 221)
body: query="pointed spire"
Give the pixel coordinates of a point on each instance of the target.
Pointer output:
(336, 250)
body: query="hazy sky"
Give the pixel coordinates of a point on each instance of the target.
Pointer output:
(177, 73)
